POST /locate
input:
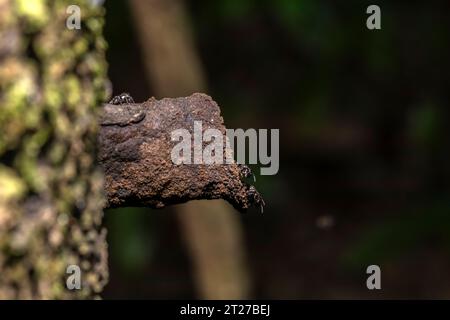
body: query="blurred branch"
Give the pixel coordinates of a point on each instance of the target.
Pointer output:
(213, 233)
(171, 60)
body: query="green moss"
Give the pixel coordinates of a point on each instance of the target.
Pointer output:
(11, 184)
(73, 89)
(34, 12)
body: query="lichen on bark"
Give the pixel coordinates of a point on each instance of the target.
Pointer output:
(51, 191)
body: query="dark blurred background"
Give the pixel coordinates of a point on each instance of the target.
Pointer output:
(364, 153)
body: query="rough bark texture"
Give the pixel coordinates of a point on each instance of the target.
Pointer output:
(136, 155)
(51, 197)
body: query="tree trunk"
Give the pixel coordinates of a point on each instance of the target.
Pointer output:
(51, 198)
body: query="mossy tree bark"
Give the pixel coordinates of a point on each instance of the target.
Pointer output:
(51, 191)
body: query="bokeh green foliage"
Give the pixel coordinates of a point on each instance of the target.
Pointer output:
(314, 69)
(363, 117)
